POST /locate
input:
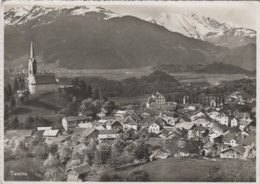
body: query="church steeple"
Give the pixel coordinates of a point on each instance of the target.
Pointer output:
(32, 51)
(32, 65)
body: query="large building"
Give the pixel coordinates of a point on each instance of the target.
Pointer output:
(39, 83)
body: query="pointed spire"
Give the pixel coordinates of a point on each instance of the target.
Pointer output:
(32, 51)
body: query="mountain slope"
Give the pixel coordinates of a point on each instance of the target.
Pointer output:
(92, 40)
(221, 68)
(205, 28)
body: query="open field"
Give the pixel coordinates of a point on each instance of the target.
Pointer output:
(129, 100)
(192, 169)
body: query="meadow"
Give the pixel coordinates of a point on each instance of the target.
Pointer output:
(198, 170)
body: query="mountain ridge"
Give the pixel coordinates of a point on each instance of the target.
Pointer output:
(91, 41)
(205, 28)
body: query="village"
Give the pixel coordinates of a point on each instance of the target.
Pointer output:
(96, 136)
(222, 134)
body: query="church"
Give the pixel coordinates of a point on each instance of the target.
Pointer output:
(39, 83)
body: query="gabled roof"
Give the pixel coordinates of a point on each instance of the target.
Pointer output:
(208, 145)
(234, 129)
(219, 125)
(112, 122)
(108, 131)
(186, 125)
(88, 131)
(155, 122)
(109, 118)
(239, 149)
(78, 130)
(200, 128)
(248, 140)
(50, 133)
(41, 79)
(129, 120)
(228, 137)
(9, 134)
(61, 138)
(82, 169)
(169, 129)
(185, 118)
(96, 123)
(164, 132)
(76, 118)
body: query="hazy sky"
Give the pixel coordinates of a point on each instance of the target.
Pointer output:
(240, 13)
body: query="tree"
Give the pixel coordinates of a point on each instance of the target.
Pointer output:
(6, 111)
(89, 92)
(12, 103)
(109, 106)
(9, 90)
(21, 149)
(51, 161)
(14, 123)
(15, 86)
(40, 150)
(95, 95)
(138, 175)
(55, 174)
(65, 152)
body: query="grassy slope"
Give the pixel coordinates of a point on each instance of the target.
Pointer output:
(47, 105)
(187, 169)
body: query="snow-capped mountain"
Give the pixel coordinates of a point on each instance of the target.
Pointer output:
(205, 28)
(22, 14)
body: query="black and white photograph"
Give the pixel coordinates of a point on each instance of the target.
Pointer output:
(129, 91)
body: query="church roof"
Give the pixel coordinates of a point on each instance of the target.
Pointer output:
(47, 79)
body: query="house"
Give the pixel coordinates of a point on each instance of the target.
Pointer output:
(216, 138)
(184, 119)
(203, 121)
(61, 139)
(234, 129)
(9, 134)
(78, 130)
(120, 113)
(129, 123)
(108, 135)
(71, 122)
(242, 115)
(164, 133)
(233, 122)
(243, 123)
(86, 125)
(222, 118)
(234, 152)
(43, 128)
(200, 131)
(89, 134)
(78, 173)
(156, 99)
(213, 115)
(102, 113)
(230, 139)
(197, 115)
(98, 125)
(114, 125)
(155, 127)
(50, 135)
(218, 128)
